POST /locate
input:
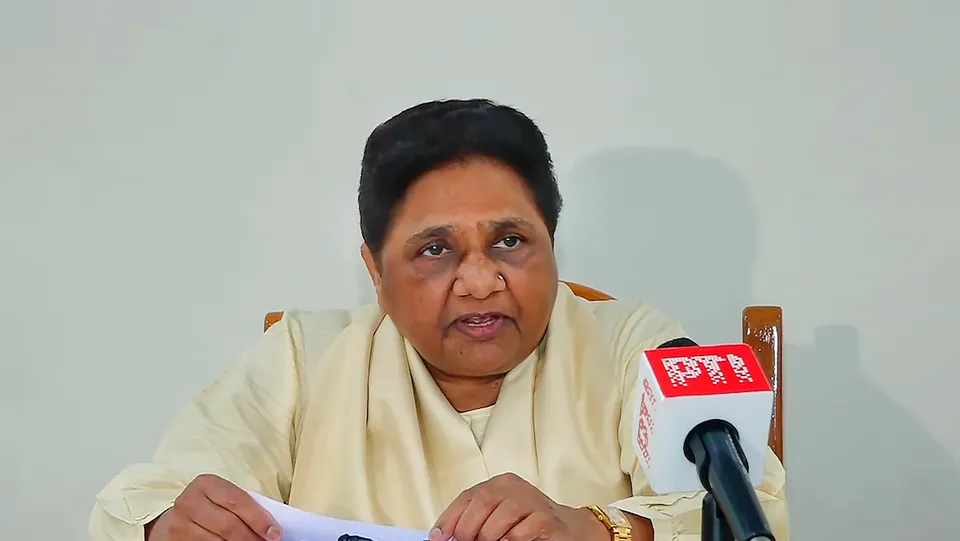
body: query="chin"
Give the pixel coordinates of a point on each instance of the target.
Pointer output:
(489, 365)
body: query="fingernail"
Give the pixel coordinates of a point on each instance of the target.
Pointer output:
(273, 533)
(436, 535)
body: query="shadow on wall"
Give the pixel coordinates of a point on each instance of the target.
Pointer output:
(664, 226)
(678, 230)
(861, 467)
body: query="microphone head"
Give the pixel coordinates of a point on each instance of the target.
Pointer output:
(680, 388)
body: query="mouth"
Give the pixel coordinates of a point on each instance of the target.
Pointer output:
(481, 327)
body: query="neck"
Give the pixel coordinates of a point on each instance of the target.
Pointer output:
(466, 394)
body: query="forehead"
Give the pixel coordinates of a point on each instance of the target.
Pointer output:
(464, 194)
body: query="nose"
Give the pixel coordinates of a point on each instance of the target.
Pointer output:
(478, 277)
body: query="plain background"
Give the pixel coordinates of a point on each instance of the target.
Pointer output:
(172, 170)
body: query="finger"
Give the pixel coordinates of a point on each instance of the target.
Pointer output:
(443, 528)
(480, 507)
(237, 501)
(507, 515)
(224, 524)
(538, 525)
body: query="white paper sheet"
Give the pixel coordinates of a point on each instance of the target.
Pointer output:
(299, 525)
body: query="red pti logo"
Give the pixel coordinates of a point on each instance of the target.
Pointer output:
(645, 419)
(707, 370)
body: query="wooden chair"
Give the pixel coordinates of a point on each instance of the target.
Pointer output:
(762, 331)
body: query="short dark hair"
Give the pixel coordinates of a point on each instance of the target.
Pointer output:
(437, 133)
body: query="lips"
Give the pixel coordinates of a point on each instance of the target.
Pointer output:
(480, 326)
(480, 321)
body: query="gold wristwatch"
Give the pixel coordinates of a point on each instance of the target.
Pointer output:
(615, 521)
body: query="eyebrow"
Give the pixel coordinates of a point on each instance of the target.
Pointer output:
(508, 224)
(430, 233)
(498, 226)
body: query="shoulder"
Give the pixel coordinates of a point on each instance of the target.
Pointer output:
(312, 332)
(629, 328)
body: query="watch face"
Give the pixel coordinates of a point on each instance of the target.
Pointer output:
(617, 516)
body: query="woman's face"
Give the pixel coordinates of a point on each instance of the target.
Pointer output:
(467, 271)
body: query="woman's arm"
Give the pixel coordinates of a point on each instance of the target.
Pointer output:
(241, 427)
(677, 517)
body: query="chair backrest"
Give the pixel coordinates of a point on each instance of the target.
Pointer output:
(762, 331)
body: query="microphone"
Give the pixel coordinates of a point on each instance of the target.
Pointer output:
(702, 419)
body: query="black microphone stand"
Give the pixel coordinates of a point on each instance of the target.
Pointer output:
(731, 511)
(713, 525)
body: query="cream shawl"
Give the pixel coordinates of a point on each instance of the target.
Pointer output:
(335, 413)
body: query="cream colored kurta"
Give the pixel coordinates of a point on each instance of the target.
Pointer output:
(335, 413)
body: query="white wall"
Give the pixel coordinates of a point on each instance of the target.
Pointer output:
(171, 171)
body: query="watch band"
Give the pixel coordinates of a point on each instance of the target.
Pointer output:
(615, 521)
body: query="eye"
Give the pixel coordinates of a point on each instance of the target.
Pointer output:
(509, 242)
(434, 250)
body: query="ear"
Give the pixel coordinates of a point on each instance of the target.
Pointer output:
(370, 261)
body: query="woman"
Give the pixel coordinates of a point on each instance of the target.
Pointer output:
(479, 399)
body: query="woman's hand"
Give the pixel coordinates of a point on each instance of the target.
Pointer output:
(213, 509)
(507, 507)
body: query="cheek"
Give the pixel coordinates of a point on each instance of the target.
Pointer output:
(535, 265)
(417, 299)
(534, 286)
(528, 260)
(424, 270)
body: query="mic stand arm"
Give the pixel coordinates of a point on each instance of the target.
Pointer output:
(731, 511)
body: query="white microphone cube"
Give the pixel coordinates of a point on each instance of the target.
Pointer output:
(680, 388)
